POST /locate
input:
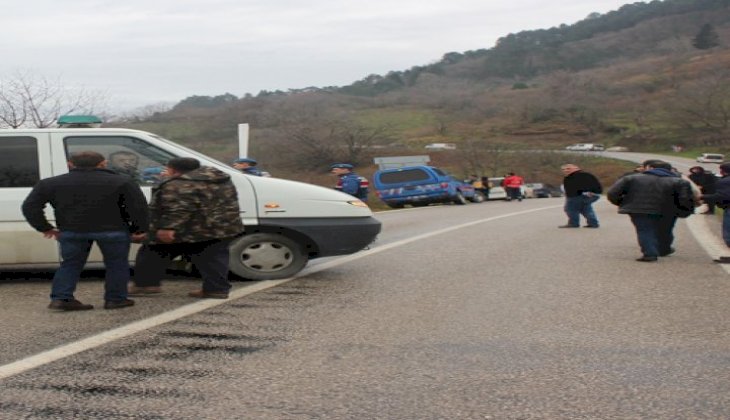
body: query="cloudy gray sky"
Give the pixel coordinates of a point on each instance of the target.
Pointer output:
(140, 52)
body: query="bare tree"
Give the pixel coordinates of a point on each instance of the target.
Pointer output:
(706, 103)
(323, 142)
(27, 99)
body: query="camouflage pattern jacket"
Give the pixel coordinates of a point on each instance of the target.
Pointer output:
(200, 205)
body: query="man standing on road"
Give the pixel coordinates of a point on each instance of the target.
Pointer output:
(721, 198)
(653, 199)
(706, 181)
(513, 186)
(582, 189)
(91, 204)
(193, 212)
(349, 182)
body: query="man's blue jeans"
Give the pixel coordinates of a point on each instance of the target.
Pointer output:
(582, 204)
(75, 247)
(654, 233)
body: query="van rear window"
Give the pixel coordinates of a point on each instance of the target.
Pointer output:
(408, 175)
(18, 162)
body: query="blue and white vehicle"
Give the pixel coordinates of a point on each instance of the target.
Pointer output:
(420, 186)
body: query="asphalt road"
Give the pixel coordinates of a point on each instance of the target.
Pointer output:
(477, 311)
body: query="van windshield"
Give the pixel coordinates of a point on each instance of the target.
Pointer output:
(408, 175)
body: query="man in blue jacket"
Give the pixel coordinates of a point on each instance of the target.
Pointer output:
(721, 198)
(653, 199)
(91, 204)
(349, 182)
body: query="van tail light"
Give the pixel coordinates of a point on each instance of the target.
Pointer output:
(444, 185)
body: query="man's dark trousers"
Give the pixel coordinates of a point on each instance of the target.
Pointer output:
(210, 258)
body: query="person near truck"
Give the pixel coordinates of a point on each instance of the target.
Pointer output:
(91, 204)
(582, 189)
(193, 212)
(513, 186)
(349, 182)
(248, 167)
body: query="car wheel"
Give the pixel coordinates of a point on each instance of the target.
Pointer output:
(395, 206)
(459, 198)
(265, 256)
(478, 197)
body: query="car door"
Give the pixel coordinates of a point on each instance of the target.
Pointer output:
(136, 157)
(24, 160)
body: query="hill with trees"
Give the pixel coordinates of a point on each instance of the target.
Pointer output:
(647, 76)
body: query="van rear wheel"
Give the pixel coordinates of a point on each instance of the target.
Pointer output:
(266, 256)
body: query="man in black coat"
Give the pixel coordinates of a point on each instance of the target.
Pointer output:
(721, 197)
(91, 204)
(582, 189)
(706, 181)
(653, 199)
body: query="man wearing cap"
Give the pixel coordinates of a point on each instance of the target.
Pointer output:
(721, 198)
(247, 166)
(349, 182)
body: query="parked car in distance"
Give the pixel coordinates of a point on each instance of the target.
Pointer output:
(441, 146)
(586, 147)
(711, 158)
(420, 186)
(617, 149)
(540, 190)
(496, 190)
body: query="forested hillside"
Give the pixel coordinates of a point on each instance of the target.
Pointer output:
(646, 76)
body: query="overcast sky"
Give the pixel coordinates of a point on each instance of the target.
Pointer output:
(143, 52)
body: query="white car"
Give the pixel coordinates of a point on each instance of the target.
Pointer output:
(586, 147)
(711, 158)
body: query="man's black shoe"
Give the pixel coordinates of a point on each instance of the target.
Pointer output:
(670, 252)
(647, 259)
(722, 260)
(591, 226)
(116, 304)
(568, 226)
(69, 305)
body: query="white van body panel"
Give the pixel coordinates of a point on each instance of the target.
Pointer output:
(319, 220)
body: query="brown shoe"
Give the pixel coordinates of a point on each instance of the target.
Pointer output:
(144, 291)
(69, 305)
(201, 294)
(116, 304)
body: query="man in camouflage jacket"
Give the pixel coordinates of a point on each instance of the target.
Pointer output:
(194, 212)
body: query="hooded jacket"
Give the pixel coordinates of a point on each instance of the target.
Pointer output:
(656, 191)
(199, 205)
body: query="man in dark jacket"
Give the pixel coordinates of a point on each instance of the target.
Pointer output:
(653, 199)
(193, 212)
(91, 204)
(721, 198)
(582, 189)
(706, 181)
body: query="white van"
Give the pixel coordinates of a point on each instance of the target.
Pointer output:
(287, 222)
(586, 147)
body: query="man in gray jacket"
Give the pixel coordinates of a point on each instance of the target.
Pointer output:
(653, 199)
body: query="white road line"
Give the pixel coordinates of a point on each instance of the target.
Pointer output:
(712, 244)
(70, 349)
